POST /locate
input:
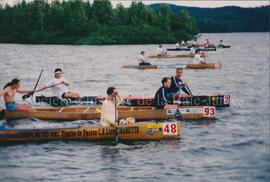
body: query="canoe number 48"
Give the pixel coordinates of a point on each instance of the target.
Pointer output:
(169, 128)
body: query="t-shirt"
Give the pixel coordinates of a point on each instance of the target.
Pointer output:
(141, 58)
(160, 50)
(58, 90)
(108, 112)
(192, 50)
(197, 59)
(183, 43)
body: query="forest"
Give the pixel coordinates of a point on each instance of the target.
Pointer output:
(226, 19)
(97, 23)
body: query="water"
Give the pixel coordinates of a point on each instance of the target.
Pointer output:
(234, 147)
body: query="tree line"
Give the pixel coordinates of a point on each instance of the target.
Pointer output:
(227, 19)
(97, 23)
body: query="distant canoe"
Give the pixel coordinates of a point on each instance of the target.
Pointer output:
(202, 49)
(224, 46)
(186, 66)
(137, 131)
(139, 113)
(176, 56)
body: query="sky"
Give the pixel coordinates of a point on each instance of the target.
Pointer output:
(194, 3)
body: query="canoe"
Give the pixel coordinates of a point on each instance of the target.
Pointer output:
(136, 131)
(185, 66)
(139, 113)
(203, 100)
(56, 101)
(176, 56)
(202, 49)
(224, 46)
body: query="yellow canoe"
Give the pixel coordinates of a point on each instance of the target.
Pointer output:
(187, 66)
(139, 113)
(137, 131)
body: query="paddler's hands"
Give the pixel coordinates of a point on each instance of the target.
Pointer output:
(115, 92)
(176, 102)
(65, 83)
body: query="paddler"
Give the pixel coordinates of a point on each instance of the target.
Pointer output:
(164, 97)
(178, 45)
(207, 44)
(198, 59)
(178, 84)
(161, 51)
(220, 44)
(108, 116)
(142, 60)
(192, 49)
(9, 92)
(61, 86)
(183, 43)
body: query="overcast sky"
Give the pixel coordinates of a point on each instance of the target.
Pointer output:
(200, 3)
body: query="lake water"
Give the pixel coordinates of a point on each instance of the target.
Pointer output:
(234, 147)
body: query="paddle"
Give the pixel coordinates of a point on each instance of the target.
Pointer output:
(2, 114)
(188, 90)
(116, 128)
(178, 115)
(26, 96)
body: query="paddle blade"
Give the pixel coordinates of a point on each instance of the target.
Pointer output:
(178, 115)
(2, 114)
(26, 96)
(116, 139)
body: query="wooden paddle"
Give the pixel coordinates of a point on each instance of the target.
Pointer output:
(26, 96)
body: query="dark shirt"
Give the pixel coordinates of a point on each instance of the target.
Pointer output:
(174, 86)
(162, 97)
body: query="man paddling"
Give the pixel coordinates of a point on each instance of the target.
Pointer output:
(178, 45)
(60, 90)
(192, 49)
(198, 59)
(164, 97)
(9, 92)
(108, 115)
(178, 84)
(220, 44)
(161, 51)
(142, 60)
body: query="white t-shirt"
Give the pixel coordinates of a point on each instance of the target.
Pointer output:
(177, 45)
(192, 50)
(141, 58)
(197, 59)
(183, 43)
(58, 90)
(160, 50)
(108, 112)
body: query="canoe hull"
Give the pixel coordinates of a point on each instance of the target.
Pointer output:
(88, 113)
(212, 100)
(186, 66)
(176, 56)
(188, 49)
(137, 131)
